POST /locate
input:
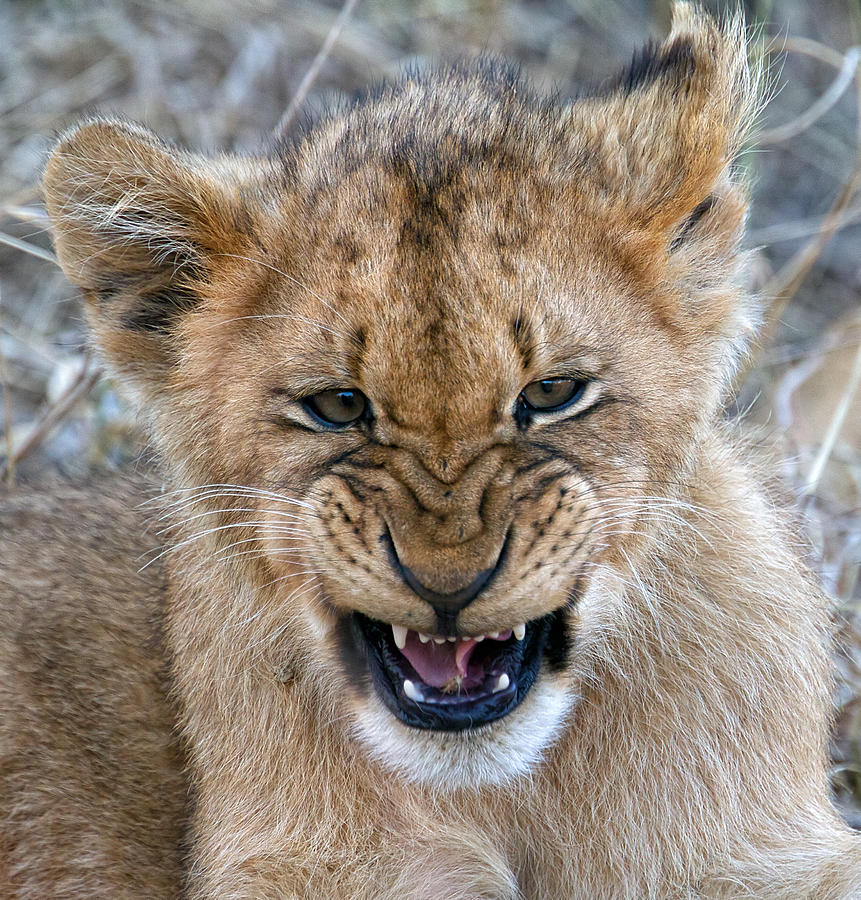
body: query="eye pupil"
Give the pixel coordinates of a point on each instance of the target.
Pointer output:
(337, 407)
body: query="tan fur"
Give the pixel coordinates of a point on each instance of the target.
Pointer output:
(93, 796)
(439, 246)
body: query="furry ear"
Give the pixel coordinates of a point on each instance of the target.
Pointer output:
(138, 226)
(660, 140)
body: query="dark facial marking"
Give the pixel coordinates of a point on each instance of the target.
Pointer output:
(351, 658)
(559, 644)
(355, 351)
(523, 340)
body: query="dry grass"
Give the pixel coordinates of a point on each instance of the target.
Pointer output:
(221, 74)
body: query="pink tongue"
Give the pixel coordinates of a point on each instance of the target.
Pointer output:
(438, 664)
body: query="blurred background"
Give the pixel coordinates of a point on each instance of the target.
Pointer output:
(221, 74)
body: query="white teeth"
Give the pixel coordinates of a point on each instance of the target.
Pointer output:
(400, 635)
(413, 692)
(519, 631)
(424, 638)
(451, 638)
(438, 639)
(501, 684)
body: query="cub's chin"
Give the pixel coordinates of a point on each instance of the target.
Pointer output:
(485, 755)
(461, 712)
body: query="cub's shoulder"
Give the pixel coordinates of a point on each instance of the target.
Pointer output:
(90, 769)
(57, 521)
(74, 580)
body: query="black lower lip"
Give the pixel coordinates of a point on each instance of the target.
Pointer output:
(454, 713)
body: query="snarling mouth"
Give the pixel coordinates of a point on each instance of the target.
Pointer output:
(451, 684)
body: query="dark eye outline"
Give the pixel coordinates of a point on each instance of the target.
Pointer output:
(310, 406)
(579, 388)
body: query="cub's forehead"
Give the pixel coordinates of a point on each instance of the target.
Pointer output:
(414, 341)
(433, 230)
(436, 160)
(430, 125)
(441, 342)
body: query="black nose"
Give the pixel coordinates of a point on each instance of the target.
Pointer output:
(447, 606)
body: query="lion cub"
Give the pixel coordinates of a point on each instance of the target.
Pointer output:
(467, 591)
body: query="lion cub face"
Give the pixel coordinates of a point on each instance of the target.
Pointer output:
(432, 368)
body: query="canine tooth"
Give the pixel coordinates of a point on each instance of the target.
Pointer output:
(424, 638)
(478, 638)
(493, 634)
(412, 691)
(438, 639)
(520, 631)
(501, 684)
(400, 635)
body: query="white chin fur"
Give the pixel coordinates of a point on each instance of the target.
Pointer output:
(492, 754)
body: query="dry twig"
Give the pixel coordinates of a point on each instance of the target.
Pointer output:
(83, 383)
(26, 247)
(35, 214)
(818, 109)
(314, 69)
(784, 284)
(7, 414)
(834, 426)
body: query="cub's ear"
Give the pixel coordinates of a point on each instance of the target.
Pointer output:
(662, 139)
(139, 226)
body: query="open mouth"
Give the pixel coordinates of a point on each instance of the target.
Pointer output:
(451, 684)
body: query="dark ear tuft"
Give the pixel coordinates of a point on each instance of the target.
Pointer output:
(673, 62)
(666, 134)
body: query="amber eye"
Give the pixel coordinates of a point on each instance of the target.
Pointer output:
(336, 408)
(551, 394)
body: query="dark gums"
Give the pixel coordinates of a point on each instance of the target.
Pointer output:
(521, 659)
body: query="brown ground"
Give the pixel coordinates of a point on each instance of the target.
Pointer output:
(220, 74)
